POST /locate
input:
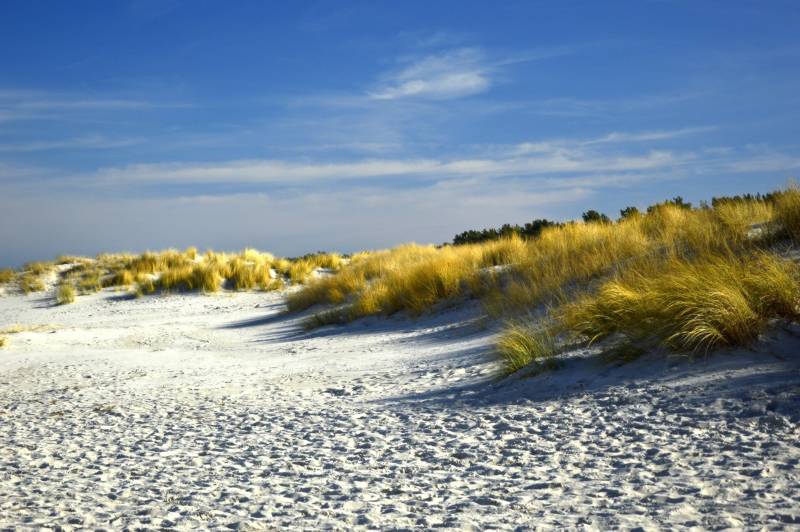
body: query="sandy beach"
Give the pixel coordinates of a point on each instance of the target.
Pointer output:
(219, 411)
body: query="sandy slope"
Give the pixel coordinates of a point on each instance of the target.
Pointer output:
(193, 411)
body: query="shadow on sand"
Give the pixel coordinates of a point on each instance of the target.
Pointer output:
(449, 323)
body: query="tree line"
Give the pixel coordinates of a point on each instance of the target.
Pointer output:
(534, 228)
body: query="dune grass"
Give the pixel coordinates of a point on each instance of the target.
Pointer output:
(172, 270)
(7, 275)
(687, 279)
(525, 344)
(65, 293)
(3, 341)
(29, 282)
(690, 306)
(415, 278)
(690, 280)
(38, 268)
(410, 277)
(787, 213)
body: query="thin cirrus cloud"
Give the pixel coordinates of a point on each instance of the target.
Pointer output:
(452, 74)
(22, 105)
(292, 173)
(95, 142)
(561, 145)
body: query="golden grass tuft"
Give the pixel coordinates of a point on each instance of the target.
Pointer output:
(248, 274)
(3, 341)
(120, 278)
(31, 283)
(89, 280)
(524, 344)
(38, 268)
(65, 293)
(690, 306)
(7, 275)
(300, 271)
(787, 212)
(207, 278)
(355, 276)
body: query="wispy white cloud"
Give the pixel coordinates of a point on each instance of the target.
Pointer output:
(291, 173)
(606, 160)
(18, 105)
(576, 144)
(455, 73)
(452, 74)
(775, 162)
(646, 136)
(96, 142)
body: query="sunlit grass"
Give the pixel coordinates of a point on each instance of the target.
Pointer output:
(65, 293)
(38, 268)
(524, 344)
(415, 278)
(787, 213)
(690, 280)
(31, 283)
(7, 275)
(692, 306)
(687, 279)
(175, 271)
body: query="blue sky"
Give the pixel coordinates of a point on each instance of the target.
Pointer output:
(303, 126)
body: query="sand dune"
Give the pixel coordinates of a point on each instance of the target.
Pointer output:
(194, 411)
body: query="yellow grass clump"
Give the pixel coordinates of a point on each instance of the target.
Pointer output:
(38, 268)
(248, 273)
(787, 212)
(186, 278)
(7, 275)
(354, 276)
(89, 279)
(65, 293)
(522, 344)
(31, 283)
(300, 270)
(690, 305)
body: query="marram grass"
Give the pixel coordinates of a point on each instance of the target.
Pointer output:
(177, 271)
(6, 275)
(31, 283)
(691, 306)
(512, 275)
(65, 293)
(522, 344)
(688, 279)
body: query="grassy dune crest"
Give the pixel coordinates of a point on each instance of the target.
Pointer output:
(690, 305)
(171, 271)
(688, 279)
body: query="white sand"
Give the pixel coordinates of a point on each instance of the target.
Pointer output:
(212, 411)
